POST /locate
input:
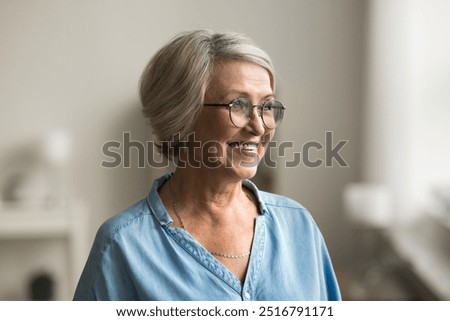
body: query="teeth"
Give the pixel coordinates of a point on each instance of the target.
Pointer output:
(244, 146)
(249, 146)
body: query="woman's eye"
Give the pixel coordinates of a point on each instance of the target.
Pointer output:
(239, 102)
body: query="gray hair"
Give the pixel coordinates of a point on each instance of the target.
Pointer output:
(173, 84)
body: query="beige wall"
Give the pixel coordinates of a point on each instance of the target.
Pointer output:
(75, 65)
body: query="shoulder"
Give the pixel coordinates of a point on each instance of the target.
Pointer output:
(124, 222)
(108, 257)
(284, 209)
(271, 199)
(136, 220)
(275, 203)
(275, 200)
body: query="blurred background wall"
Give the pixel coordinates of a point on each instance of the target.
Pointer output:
(366, 71)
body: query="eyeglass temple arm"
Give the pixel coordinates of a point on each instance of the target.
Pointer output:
(229, 105)
(217, 105)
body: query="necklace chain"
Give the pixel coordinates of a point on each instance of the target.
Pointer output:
(173, 198)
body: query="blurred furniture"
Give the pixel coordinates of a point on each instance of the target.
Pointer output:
(394, 259)
(424, 248)
(66, 224)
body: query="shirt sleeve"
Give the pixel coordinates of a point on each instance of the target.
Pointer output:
(104, 276)
(331, 287)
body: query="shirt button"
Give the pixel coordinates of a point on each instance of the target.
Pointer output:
(247, 295)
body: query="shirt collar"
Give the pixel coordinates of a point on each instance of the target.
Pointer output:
(155, 203)
(159, 211)
(252, 187)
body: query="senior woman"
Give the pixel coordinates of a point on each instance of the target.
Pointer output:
(205, 232)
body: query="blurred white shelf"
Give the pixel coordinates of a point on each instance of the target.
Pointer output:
(66, 223)
(19, 224)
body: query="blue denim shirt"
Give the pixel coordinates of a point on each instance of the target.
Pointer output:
(137, 255)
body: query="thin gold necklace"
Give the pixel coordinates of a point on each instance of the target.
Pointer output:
(173, 199)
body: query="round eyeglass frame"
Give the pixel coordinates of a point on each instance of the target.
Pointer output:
(238, 103)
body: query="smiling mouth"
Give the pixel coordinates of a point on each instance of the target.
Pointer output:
(248, 146)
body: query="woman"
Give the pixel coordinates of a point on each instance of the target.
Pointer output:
(206, 232)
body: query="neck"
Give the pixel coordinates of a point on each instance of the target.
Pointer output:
(208, 196)
(216, 212)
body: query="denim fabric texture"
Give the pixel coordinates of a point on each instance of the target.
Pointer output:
(137, 255)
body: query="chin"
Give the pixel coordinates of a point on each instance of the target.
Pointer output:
(240, 166)
(245, 170)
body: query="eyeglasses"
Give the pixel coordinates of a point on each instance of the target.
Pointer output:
(241, 111)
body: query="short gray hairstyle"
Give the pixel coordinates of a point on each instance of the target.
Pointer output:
(174, 82)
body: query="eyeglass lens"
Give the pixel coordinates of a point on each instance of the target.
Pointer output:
(241, 112)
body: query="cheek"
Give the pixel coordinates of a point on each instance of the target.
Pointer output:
(213, 125)
(267, 138)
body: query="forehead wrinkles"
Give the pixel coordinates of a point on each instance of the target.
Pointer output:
(229, 79)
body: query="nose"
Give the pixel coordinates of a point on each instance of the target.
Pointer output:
(255, 123)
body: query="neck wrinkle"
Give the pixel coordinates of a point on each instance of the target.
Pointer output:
(204, 195)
